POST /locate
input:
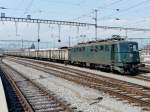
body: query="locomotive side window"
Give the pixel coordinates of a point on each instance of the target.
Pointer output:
(77, 49)
(96, 47)
(80, 49)
(115, 48)
(106, 48)
(74, 49)
(83, 48)
(101, 48)
(91, 48)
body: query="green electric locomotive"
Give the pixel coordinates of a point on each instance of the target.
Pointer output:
(115, 54)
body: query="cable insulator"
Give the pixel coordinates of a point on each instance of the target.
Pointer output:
(59, 32)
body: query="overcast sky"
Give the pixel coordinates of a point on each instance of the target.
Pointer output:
(131, 13)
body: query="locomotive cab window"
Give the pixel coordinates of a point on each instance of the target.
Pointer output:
(135, 48)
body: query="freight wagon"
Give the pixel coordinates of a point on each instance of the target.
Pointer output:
(60, 55)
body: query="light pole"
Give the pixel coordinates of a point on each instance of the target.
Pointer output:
(38, 39)
(38, 43)
(69, 41)
(3, 8)
(38, 47)
(96, 15)
(22, 43)
(59, 31)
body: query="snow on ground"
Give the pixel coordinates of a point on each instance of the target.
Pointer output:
(147, 64)
(83, 98)
(146, 74)
(111, 75)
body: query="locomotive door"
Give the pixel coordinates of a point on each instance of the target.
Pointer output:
(113, 54)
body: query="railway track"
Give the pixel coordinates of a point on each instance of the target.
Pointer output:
(140, 77)
(128, 92)
(147, 68)
(13, 99)
(35, 98)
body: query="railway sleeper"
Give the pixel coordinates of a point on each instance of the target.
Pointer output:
(51, 109)
(44, 103)
(145, 98)
(119, 99)
(139, 97)
(37, 97)
(37, 100)
(130, 89)
(146, 109)
(33, 95)
(47, 106)
(131, 101)
(125, 101)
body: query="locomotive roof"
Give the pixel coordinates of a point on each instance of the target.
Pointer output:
(104, 42)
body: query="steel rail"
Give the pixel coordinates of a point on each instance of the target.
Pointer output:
(130, 94)
(22, 99)
(46, 92)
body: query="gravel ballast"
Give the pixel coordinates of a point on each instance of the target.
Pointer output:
(84, 98)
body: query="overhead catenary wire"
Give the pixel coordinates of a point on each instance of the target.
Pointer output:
(136, 22)
(28, 7)
(125, 9)
(56, 2)
(59, 33)
(38, 32)
(108, 5)
(99, 9)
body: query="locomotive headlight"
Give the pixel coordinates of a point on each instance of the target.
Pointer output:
(131, 55)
